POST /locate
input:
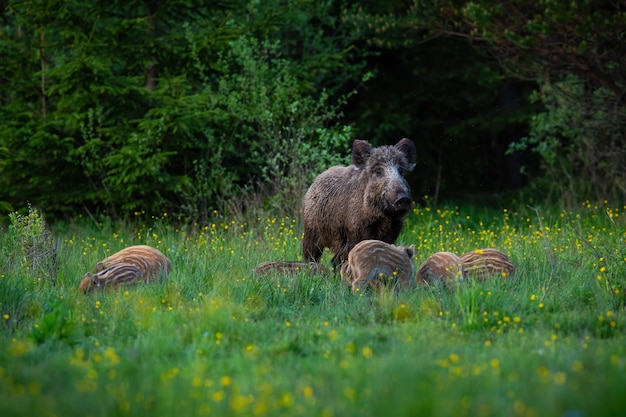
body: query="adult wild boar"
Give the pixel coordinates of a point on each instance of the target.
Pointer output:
(366, 200)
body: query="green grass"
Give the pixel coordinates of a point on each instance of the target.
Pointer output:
(215, 339)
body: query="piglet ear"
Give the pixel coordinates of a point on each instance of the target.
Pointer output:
(85, 284)
(346, 274)
(410, 251)
(407, 147)
(361, 150)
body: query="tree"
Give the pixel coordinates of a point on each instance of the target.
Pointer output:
(445, 95)
(539, 40)
(576, 53)
(132, 103)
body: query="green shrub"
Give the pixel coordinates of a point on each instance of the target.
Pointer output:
(268, 138)
(29, 235)
(581, 138)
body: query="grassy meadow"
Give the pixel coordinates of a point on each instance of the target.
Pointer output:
(214, 339)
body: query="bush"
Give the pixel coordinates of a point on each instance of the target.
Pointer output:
(581, 138)
(30, 235)
(281, 137)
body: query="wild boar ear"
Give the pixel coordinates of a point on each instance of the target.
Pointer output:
(94, 278)
(410, 251)
(407, 147)
(361, 150)
(85, 284)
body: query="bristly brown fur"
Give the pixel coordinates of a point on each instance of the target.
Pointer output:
(115, 275)
(143, 256)
(481, 264)
(133, 264)
(290, 268)
(366, 200)
(375, 264)
(445, 267)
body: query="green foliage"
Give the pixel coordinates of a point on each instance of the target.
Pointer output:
(453, 100)
(267, 130)
(26, 227)
(55, 325)
(5, 206)
(453, 113)
(16, 295)
(580, 137)
(540, 40)
(35, 243)
(551, 43)
(187, 107)
(131, 104)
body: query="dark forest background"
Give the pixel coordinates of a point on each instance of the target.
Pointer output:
(186, 107)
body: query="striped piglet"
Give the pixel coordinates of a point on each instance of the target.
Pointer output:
(376, 264)
(129, 266)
